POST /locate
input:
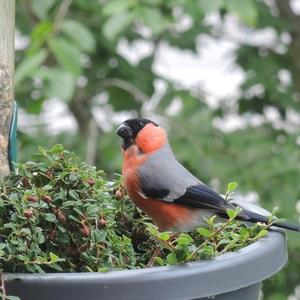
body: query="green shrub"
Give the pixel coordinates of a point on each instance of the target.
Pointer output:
(59, 214)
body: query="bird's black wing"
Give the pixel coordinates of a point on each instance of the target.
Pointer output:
(201, 196)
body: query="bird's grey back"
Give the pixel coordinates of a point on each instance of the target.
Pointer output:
(163, 171)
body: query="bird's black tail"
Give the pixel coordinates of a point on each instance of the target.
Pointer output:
(253, 217)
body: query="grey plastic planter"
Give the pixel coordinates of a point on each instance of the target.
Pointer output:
(232, 276)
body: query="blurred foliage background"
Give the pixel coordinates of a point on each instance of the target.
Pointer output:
(69, 52)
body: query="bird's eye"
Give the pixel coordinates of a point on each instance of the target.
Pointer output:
(141, 124)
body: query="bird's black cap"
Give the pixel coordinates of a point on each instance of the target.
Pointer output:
(130, 128)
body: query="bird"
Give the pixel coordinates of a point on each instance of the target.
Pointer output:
(165, 190)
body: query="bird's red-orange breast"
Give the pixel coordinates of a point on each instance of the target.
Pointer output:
(167, 216)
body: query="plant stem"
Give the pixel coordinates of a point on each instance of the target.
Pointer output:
(138, 94)
(151, 261)
(167, 245)
(62, 11)
(211, 237)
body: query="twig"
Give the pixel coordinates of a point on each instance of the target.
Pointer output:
(167, 245)
(151, 261)
(126, 86)
(62, 11)
(174, 236)
(211, 237)
(225, 249)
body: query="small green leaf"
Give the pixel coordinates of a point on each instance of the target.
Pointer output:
(29, 65)
(152, 229)
(79, 34)
(71, 217)
(58, 148)
(204, 232)
(122, 100)
(92, 210)
(41, 8)
(103, 269)
(61, 229)
(56, 267)
(262, 233)
(244, 232)
(66, 54)
(115, 7)
(275, 210)
(40, 33)
(98, 236)
(69, 203)
(245, 10)
(22, 258)
(159, 261)
(172, 259)
(231, 187)
(210, 221)
(47, 187)
(232, 213)
(25, 231)
(153, 2)
(279, 220)
(154, 19)
(184, 239)
(54, 80)
(210, 6)
(73, 194)
(116, 24)
(40, 238)
(53, 258)
(223, 242)
(207, 252)
(50, 217)
(164, 236)
(12, 298)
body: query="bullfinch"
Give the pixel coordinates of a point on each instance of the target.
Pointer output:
(167, 192)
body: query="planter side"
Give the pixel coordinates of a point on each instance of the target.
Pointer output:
(199, 280)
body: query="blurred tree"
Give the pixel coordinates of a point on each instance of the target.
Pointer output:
(7, 25)
(74, 55)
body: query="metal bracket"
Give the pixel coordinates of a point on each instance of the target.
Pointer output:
(12, 143)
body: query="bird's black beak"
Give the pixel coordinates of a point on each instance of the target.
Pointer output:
(124, 131)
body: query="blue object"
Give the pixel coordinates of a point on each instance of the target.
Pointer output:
(12, 142)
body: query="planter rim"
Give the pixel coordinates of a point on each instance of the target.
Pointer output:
(224, 273)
